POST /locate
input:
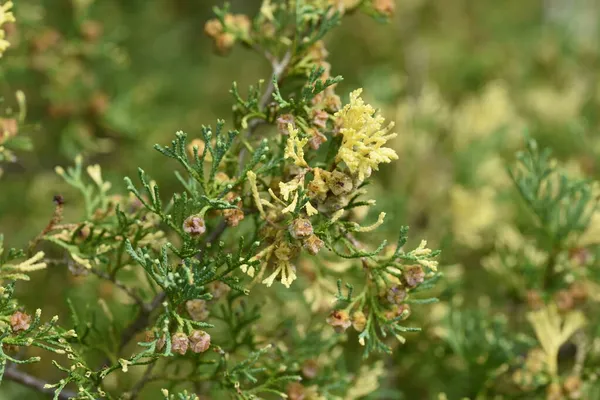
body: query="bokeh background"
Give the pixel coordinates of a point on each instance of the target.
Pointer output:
(462, 79)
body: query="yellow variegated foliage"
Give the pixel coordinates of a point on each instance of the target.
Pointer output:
(364, 136)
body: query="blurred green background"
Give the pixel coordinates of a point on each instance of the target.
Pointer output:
(462, 79)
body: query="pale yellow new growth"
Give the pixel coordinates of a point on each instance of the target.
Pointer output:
(431, 264)
(292, 206)
(279, 256)
(373, 226)
(363, 137)
(82, 261)
(252, 179)
(294, 147)
(286, 189)
(20, 271)
(337, 215)
(423, 251)
(124, 364)
(95, 172)
(553, 331)
(283, 266)
(5, 16)
(310, 210)
(31, 264)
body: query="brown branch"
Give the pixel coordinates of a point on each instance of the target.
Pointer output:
(142, 320)
(134, 296)
(14, 375)
(103, 275)
(147, 377)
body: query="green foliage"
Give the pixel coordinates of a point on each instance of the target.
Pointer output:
(562, 205)
(211, 273)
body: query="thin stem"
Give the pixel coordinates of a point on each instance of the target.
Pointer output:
(32, 382)
(142, 320)
(103, 275)
(278, 70)
(134, 296)
(147, 377)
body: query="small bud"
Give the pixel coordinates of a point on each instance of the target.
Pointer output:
(179, 343)
(398, 310)
(296, 391)
(313, 244)
(20, 321)
(283, 122)
(301, 228)
(414, 275)
(320, 118)
(310, 369)
(197, 309)
(218, 289)
(554, 392)
(580, 256)
(339, 320)
(99, 103)
(339, 183)
(359, 321)
(45, 40)
(233, 216)
(332, 102)
(241, 23)
(221, 177)
(199, 143)
(194, 225)
(385, 7)
(224, 42)
(572, 386)
(91, 30)
(534, 300)
(396, 295)
(579, 291)
(199, 341)
(8, 128)
(535, 361)
(213, 28)
(564, 300)
(316, 139)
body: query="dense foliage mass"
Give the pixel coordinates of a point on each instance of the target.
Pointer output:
(267, 254)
